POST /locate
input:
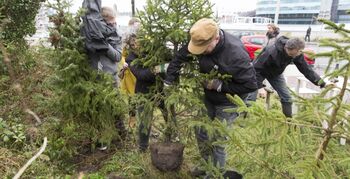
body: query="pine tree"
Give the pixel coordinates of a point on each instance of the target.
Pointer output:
(164, 29)
(85, 101)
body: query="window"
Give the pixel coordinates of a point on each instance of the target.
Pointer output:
(257, 40)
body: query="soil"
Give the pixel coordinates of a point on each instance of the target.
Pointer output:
(167, 156)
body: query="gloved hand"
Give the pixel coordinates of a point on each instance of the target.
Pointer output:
(214, 84)
(160, 68)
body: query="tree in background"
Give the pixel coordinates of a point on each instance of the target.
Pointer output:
(16, 22)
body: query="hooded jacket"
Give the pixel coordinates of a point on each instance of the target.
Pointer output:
(274, 60)
(102, 42)
(229, 57)
(271, 38)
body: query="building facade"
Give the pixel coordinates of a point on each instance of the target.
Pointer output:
(304, 11)
(342, 16)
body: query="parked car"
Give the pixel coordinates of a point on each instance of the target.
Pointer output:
(253, 45)
(239, 34)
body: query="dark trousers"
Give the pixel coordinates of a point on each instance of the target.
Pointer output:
(215, 152)
(307, 36)
(145, 117)
(279, 84)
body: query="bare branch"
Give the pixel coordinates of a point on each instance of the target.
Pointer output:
(30, 161)
(36, 117)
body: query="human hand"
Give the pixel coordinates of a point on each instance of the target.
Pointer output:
(262, 93)
(125, 65)
(160, 68)
(214, 84)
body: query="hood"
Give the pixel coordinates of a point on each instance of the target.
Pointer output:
(92, 6)
(271, 35)
(280, 42)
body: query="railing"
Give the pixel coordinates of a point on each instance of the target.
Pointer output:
(244, 20)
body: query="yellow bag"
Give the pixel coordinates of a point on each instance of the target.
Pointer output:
(128, 82)
(127, 79)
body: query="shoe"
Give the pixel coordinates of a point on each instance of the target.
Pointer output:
(101, 146)
(230, 174)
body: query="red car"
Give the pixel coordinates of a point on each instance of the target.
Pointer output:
(254, 42)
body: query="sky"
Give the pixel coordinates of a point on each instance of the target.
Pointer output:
(220, 5)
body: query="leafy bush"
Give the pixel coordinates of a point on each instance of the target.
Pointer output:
(12, 132)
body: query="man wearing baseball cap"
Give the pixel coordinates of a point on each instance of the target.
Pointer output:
(224, 54)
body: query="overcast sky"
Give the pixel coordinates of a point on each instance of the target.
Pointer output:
(220, 5)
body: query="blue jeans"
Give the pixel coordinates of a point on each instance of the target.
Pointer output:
(279, 84)
(206, 149)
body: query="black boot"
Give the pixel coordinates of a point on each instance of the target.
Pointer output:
(287, 109)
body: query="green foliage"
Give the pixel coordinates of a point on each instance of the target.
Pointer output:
(164, 29)
(17, 21)
(19, 16)
(269, 145)
(85, 101)
(165, 26)
(12, 132)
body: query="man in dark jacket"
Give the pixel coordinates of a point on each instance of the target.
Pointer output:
(225, 54)
(274, 60)
(308, 32)
(145, 82)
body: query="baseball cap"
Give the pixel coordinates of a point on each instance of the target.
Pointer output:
(202, 34)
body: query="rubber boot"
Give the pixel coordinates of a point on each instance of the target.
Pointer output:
(287, 109)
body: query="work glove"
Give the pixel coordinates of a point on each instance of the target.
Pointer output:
(214, 84)
(160, 68)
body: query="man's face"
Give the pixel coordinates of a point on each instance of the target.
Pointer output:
(293, 52)
(212, 45)
(269, 29)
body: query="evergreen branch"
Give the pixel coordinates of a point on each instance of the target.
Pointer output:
(305, 125)
(328, 135)
(341, 135)
(332, 25)
(262, 163)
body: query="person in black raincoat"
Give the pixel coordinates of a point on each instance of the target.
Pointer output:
(102, 41)
(103, 45)
(271, 63)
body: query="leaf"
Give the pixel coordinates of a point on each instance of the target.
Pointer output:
(5, 138)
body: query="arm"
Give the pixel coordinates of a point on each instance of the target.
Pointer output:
(141, 73)
(115, 54)
(175, 65)
(307, 71)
